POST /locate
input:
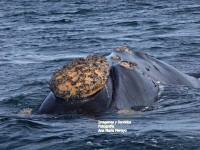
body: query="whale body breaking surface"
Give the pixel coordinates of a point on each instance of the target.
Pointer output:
(125, 79)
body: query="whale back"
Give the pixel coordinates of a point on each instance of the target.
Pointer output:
(137, 78)
(155, 69)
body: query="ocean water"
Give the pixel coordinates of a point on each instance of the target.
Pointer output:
(39, 36)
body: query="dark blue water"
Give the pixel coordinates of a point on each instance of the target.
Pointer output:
(37, 37)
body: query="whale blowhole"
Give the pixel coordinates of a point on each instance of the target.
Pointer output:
(80, 78)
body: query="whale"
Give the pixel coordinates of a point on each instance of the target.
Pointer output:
(125, 79)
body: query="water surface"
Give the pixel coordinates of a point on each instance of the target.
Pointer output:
(38, 37)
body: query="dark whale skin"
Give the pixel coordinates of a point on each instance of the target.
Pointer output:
(95, 104)
(125, 89)
(156, 69)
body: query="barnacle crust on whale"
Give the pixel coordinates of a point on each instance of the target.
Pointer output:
(128, 65)
(123, 49)
(80, 78)
(116, 57)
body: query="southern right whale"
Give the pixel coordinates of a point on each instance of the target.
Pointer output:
(125, 79)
